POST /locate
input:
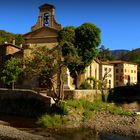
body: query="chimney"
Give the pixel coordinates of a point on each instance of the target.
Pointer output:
(14, 42)
(20, 45)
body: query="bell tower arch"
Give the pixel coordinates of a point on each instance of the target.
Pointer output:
(46, 18)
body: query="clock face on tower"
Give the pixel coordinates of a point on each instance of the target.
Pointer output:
(46, 19)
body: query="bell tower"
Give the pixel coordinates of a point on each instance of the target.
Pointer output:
(46, 18)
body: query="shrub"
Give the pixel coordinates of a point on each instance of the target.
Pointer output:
(61, 109)
(85, 85)
(50, 120)
(94, 81)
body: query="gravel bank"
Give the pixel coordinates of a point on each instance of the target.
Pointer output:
(105, 122)
(10, 133)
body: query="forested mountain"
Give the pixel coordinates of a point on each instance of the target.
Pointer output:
(9, 37)
(134, 56)
(118, 54)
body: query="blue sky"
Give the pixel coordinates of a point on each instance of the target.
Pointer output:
(119, 20)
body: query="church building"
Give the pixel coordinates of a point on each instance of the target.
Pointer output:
(43, 33)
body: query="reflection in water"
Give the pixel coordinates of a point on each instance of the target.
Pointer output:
(77, 134)
(114, 137)
(87, 135)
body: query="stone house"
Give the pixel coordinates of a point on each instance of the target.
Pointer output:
(7, 51)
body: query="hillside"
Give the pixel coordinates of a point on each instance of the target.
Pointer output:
(9, 37)
(133, 55)
(118, 54)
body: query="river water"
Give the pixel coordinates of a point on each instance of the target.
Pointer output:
(87, 134)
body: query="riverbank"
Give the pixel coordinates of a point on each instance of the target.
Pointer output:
(98, 117)
(105, 123)
(102, 122)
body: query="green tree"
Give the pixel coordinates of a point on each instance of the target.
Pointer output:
(46, 65)
(18, 39)
(105, 54)
(79, 48)
(12, 69)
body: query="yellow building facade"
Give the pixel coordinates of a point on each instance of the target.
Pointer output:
(106, 73)
(100, 71)
(92, 70)
(125, 73)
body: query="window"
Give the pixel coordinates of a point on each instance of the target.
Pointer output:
(121, 78)
(134, 71)
(109, 83)
(131, 71)
(106, 81)
(117, 70)
(46, 19)
(125, 70)
(116, 83)
(125, 77)
(105, 69)
(117, 77)
(121, 70)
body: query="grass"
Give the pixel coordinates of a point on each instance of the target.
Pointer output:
(87, 115)
(117, 111)
(51, 120)
(78, 108)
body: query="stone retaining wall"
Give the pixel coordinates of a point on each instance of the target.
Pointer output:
(31, 103)
(79, 94)
(23, 102)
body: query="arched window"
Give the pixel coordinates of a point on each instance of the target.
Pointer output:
(46, 19)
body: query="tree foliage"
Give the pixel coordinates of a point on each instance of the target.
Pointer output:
(12, 69)
(46, 64)
(105, 54)
(79, 47)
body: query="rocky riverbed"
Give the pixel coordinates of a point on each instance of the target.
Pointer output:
(104, 122)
